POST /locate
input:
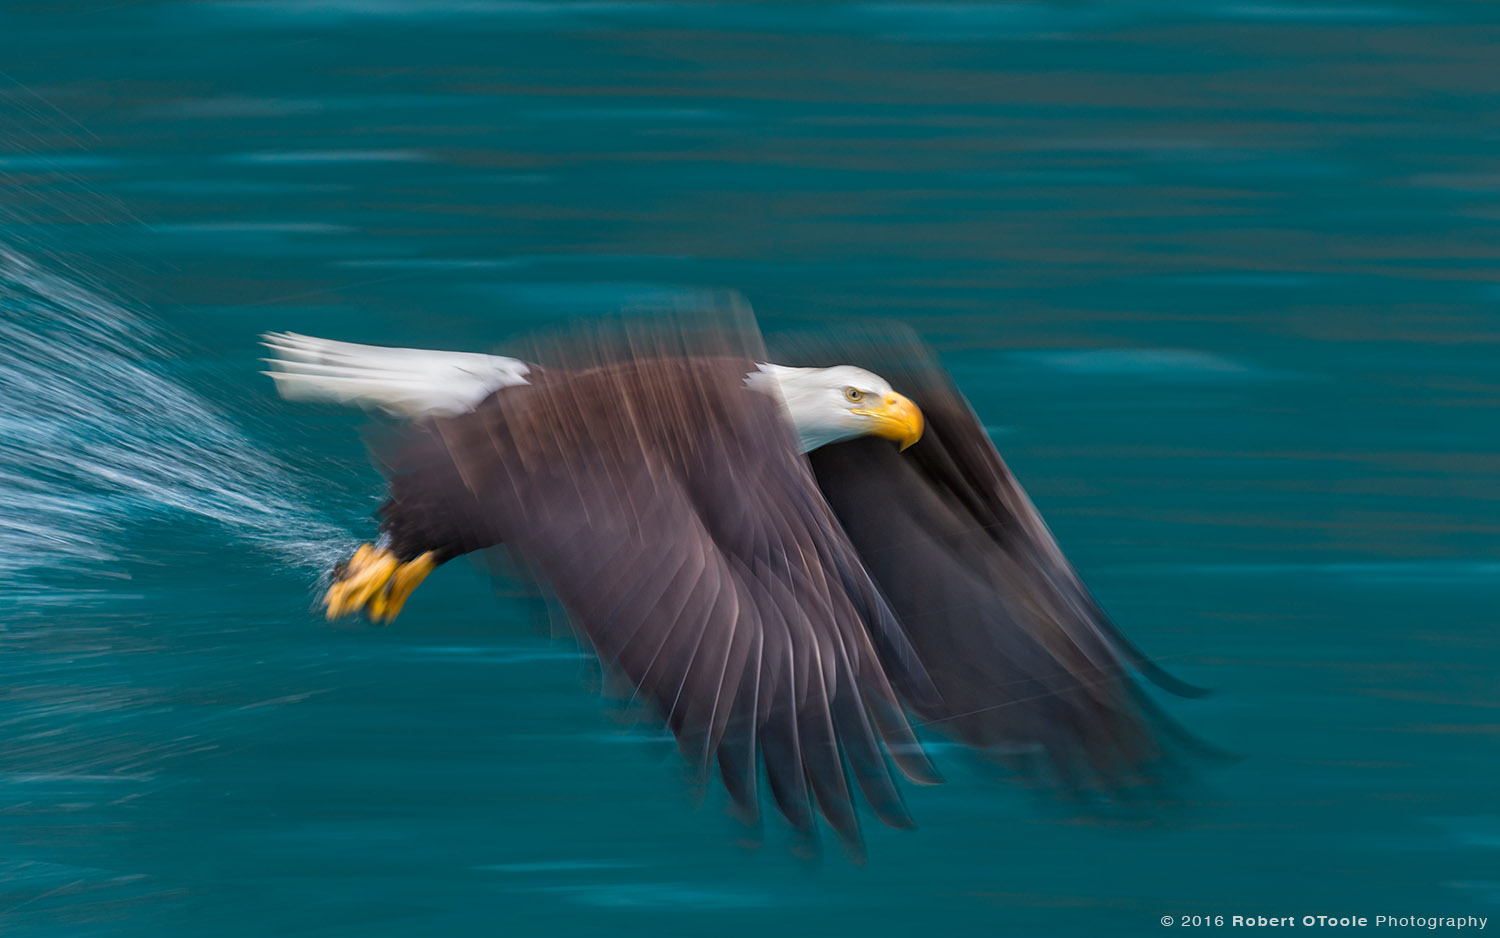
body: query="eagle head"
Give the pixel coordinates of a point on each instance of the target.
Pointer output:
(826, 405)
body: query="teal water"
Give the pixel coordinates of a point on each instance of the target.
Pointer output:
(1220, 278)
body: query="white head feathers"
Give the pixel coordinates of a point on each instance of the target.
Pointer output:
(824, 404)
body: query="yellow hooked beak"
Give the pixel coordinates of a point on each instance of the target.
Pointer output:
(896, 418)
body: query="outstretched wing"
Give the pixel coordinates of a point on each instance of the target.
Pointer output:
(669, 510)
(1026, 663)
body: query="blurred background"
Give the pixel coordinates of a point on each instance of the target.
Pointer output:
(1220, 278)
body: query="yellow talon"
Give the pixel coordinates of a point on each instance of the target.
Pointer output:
(386, 605)
(377, 582)
(367, 571)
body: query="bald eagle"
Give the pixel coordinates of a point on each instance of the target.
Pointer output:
(796, 564)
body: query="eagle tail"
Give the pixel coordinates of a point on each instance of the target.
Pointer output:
(402, 382)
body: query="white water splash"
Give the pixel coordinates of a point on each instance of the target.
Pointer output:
(94, 432)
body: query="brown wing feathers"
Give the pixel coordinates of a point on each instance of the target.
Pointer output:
(669, 510)
(1026, 664)
(779, 612)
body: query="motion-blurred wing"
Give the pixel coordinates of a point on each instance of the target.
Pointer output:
(668, 509)
(1026, 663)
(402, 382)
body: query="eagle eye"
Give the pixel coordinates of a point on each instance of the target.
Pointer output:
(854, 395)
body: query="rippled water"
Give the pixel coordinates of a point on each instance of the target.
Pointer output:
(1221, 279)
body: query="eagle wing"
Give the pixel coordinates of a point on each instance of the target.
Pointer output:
(669, 510)
(1026, 664)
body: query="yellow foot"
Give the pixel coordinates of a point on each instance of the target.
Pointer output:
(375, 581)
(385, 605)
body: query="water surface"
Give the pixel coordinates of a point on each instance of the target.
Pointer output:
(1219, 277)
